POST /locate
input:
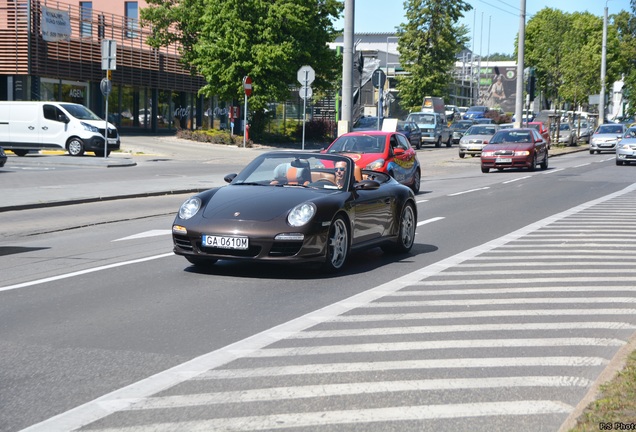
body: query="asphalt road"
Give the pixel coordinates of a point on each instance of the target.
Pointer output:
(517, 296)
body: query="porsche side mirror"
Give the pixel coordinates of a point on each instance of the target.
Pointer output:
(228, 178)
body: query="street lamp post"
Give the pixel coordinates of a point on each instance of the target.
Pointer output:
(601, 103)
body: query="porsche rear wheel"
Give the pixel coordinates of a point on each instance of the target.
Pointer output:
(337, 245)
(406, 235)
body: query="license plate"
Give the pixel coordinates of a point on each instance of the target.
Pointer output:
(474, 148)
(226, 242)
(112, 141)
(503, 160)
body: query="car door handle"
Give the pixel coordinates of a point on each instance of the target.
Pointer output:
(31, 128)
(45, 128)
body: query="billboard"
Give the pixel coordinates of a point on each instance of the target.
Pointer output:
(498, 87)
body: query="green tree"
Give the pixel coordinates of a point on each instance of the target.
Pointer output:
(269, 40)
(428, 44)
(626, 29)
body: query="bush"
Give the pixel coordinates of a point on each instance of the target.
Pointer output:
(213, 136)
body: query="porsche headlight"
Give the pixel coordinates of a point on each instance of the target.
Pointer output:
(189, 208)
(301, 214)
(376, 165)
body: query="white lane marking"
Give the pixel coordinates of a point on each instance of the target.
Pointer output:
(112, 402)
(482, 314)
(517, 179)
(421, 201)
(582, 165)
(468, 191)
(358, 388)
(427, 221)
(357, 416)
(445, 363)
(83, 272)
(429, 345)
(491, 301)
(151, 233)
(387, 331)
(552, 171)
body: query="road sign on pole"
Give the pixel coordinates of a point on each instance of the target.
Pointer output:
(247, 85)
(109, 54)
(306, 75)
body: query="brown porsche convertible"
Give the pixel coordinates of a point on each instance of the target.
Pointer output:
(296, 207)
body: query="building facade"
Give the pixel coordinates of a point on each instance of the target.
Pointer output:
(53, 51)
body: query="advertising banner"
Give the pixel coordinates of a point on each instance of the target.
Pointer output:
(56, 25)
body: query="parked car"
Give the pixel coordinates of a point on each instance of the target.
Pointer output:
(411, 131)
(606, 137)
(458, 129)
(3, 157)
(475, 112)
(626, 148)
(452, 112)
(484, 120)
(515, 148)
(585, 130)
(565, 135)
(387, 152)
(540, 127)
(475, 138)
(366, 123)
(260, 216)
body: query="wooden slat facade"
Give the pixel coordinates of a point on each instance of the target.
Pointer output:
(23, 51)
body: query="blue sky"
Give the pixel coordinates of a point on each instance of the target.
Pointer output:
(494, 23)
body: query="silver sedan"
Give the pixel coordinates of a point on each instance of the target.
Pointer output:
(605, 137)
(475, 138)
(626, 148)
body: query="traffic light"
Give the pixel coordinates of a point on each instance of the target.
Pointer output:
(531, 84)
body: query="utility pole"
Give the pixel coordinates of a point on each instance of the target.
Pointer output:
(520, 60)
(344, 125)
(601, 103)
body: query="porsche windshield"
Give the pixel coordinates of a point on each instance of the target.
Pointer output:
(297, 169)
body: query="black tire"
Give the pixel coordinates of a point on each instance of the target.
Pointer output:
(485, 170)
(419, 144)
(462, 155)
(544, 164)
(449, 143)
(417, 179)
(200, 261)
(75, 147)
(406, 234)
(619, 162)
(438, 143)
(533, 164)
(591, 151)
(337, 245)
(18, 152)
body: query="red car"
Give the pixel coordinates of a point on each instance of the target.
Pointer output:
(539, 126)
(515, 148)
(388, 152)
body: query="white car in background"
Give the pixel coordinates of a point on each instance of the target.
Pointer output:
(606, 136)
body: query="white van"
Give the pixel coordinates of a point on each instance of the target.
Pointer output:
(31, 126)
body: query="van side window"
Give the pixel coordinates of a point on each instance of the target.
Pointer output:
(51, 112)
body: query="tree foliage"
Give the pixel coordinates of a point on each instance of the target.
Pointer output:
(269, 40)
(429, 43)
(566, 49)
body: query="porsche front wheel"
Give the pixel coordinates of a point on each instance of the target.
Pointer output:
(337, 245)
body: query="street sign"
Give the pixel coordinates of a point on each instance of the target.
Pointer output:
(378, 78)
(109, 54)
(305, 92)
(106, 86)
(247, 85)
(306, 75)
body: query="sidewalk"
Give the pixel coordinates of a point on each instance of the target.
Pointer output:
(135, 148)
